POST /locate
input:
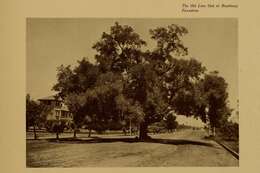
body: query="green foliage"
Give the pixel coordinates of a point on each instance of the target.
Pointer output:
(118, 50)
(129, 110)
(55, 126)
(229, 131)
(128, 83)
(33, 113)
(157, 127)
(181, 80)
(178, 76)
(170, 122)
(169, 40)
(77, 80)
(214, 90)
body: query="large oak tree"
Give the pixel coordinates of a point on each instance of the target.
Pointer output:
(130, 82)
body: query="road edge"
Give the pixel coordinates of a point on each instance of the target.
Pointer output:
(235, 154)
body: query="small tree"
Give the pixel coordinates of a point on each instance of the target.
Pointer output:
(33, 114)
(230, 130)
(213, 95)
(170, 122)
(72, 85)
(75, 104)
(58, 128)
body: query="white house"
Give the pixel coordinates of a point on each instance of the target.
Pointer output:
(59, 111)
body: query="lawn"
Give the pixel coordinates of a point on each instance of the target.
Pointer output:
(53, 154)
(184, 148)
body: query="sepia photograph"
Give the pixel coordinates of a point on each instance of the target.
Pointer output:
(132, 92)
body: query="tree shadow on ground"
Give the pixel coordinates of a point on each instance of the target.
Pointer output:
(131, 140)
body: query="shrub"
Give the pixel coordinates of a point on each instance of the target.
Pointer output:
(230, 131)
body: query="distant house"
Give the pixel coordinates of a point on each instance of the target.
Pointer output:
(58, 110)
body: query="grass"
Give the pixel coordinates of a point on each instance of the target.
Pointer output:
(53, 154)
(184, 148)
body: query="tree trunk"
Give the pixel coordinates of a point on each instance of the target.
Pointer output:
(89, 132)
(34, 132)
(75, 133)
(57, 135)
(130, 127)
(209, 129)
(214, 131)
(143, 131)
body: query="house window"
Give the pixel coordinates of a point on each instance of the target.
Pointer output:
(58, 104)
(57, 112)
(63, 114)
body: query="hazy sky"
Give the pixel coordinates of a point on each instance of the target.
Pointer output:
(52, 42)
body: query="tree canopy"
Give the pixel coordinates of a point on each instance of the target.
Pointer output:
(129, 82)
(215, 93)
(35, 114)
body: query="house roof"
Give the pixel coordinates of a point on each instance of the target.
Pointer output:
(53, 97)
